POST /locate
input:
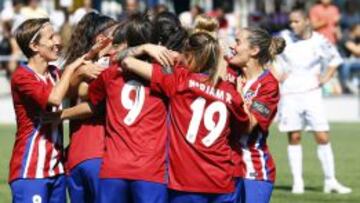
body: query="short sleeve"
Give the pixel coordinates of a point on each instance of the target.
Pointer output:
(33, 88)
(97, 89)
(329, 54)
(314, 13)
(337, 13)
(264, 105)
(280, 64)
(162, 81)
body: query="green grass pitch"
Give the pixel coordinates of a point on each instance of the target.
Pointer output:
(345, 139)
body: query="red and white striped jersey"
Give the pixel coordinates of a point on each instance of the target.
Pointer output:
(252, 156)
(38, 150)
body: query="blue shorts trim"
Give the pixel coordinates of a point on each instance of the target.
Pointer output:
(193, 197)
(83, 181)
(46, 190)
(253, 191)
(131, 191)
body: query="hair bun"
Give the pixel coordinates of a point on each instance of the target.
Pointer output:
(277, 46)
(207, 24)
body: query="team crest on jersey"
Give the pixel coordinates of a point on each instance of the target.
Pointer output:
(249, 95)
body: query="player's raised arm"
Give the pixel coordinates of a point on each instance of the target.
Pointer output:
(159, 53)
(80, 111)
(139, 67)
(143, 68)
(59, 91)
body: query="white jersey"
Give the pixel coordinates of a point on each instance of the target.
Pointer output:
(304, 60)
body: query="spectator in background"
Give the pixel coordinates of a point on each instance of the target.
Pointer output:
(324, 18)
(219, 14)
(81, 12)
(156, 10)
(17, 18)
(33, 10)
(8, 48)
(5, 45)
(153, 3)
(279, 20)
(351, 14)
(160, 8)
(187, 18)
(227, 27)
(131, 7)
(350, 47)
(258, 17)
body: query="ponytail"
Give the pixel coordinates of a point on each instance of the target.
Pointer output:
(268, 46)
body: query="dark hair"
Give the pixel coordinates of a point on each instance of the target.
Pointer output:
(300, 8)
(103, 25)
(167, 31)
(119, 35)
(17, 2)
(199, 9)
(205, 51)
(269, 46)
(138, 30)
(82, 37)
(25, 33)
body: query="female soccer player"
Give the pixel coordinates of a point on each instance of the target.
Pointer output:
(255, 168)
(200, 165)
(167, 31)
(36, 166)
(299, 67)
(133, 167)
(86, 136)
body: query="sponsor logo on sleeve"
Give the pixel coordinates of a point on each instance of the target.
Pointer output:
(261, 108)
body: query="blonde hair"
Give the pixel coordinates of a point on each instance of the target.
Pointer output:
(269, 46)
(207, 24)
(205, 52)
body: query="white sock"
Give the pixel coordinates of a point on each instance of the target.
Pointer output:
(295, 161)
(326, 158)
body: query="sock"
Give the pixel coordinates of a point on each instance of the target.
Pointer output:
(295, 161)
(326, 158)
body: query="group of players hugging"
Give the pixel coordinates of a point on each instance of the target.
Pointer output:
(158, 113)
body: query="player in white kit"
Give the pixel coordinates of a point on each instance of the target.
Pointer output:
(309, 61)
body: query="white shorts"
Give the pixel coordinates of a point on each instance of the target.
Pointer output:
(303, 111)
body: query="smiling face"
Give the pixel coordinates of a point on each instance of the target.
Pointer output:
(46, 47)
(242, 49)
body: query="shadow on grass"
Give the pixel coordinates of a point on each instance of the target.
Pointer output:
(287, 188)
